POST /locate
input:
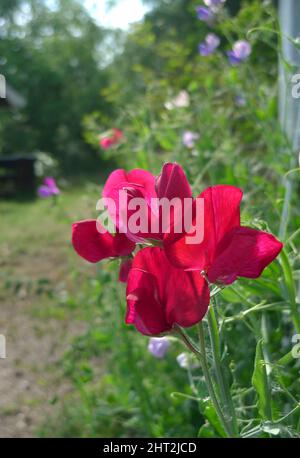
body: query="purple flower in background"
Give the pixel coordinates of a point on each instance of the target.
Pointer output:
(205, 14)
(158, 346)
(189, 138)
(209, 45)
(240, 101)
(44, 192)
(240, 52)
(49, 188)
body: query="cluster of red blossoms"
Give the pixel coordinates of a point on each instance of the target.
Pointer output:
(168, 283)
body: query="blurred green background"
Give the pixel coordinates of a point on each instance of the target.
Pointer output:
(73, 368)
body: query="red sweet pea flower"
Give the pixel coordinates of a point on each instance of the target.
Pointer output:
(228, 250)
(117, 134)
(106, 142)
(159, 295)
(141, 184)
(94, 246)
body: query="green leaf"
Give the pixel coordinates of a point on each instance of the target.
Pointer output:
(286, 359)
(167, 139)
(260, 383)
(210, 414)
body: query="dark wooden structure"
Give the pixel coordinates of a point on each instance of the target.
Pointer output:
(17, 176)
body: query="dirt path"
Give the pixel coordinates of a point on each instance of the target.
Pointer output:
(38, 330)
(30, 378)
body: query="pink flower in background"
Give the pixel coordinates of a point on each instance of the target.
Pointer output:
(49, 188)
(106, 143)
(114, 137)
(240, 52)
(189, 138)
(210, 44)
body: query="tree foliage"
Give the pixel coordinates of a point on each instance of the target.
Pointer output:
(53, 57)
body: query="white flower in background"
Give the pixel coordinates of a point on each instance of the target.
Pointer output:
(182, 100)
(189, 138)
(213, 3)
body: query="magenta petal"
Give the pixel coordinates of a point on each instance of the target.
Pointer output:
(244, 252)
(159, 295)
(221, 215)
(51, 184)
(143, 180)
(94, 246)
(144, 309)
(172, 182)
(222, 211)
(136, 183)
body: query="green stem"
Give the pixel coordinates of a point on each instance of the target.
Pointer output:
(291, 288)
(221, 378)
(136, 377)
(201, 355)
(209, 381)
